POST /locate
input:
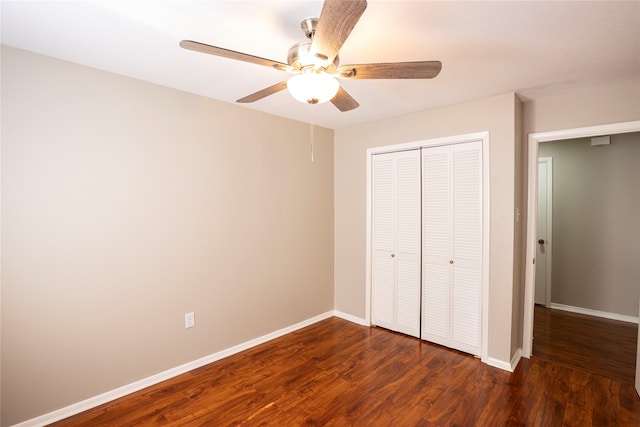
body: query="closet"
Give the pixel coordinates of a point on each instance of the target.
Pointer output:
(427, 243)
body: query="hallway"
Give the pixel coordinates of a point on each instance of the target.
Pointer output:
(591, 344)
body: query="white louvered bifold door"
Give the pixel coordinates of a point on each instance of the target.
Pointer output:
(396, 241)
(383, 239)
(408, 237)
(466, 301)
(452, 245)
(436, 245)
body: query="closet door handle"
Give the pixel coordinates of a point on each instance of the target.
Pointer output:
(450, 261)
(393, 255)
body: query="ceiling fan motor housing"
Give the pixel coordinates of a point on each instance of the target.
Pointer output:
(301, 56)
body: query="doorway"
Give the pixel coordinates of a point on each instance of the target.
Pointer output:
(532, 240)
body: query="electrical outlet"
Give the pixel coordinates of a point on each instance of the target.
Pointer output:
(189, 320)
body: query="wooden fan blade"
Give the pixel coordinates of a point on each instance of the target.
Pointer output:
(391, 70)
(263, 93)
(337, 19)
(343, 101)
(231, 54)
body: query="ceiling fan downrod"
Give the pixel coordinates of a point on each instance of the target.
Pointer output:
(309, 26)
(302, 55)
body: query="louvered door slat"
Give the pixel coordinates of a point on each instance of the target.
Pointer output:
(383, 202)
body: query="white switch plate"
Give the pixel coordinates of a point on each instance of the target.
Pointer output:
(189, 320)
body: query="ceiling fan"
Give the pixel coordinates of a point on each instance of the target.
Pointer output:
(315, 63)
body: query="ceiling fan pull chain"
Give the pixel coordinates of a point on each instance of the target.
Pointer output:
(311, 133)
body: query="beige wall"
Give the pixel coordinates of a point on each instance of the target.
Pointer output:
(596, 223)
(598, 105)
(520, 233)
(496, 115)
(126, 205)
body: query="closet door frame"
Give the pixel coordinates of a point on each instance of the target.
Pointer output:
(479, 136)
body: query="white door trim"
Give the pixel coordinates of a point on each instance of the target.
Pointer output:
(482, 136)
(533, 141)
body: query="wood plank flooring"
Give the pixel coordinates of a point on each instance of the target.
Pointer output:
(336, 373)
(600, 346)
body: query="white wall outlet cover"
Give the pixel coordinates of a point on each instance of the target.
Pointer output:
(189, 320)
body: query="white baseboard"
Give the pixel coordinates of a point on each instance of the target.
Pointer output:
(516, 359)
(496, 363)
(351, 318)
(500, 364)
(103, 398)
(597, 313)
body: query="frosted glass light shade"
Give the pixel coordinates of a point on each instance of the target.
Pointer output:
(313, 88)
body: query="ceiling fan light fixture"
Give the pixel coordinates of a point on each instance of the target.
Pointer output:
(313, 87)
(315, 62)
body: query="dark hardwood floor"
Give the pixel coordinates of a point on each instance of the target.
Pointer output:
(592, 344)
(336, 373)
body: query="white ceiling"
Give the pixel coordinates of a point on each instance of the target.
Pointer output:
(534, 48)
